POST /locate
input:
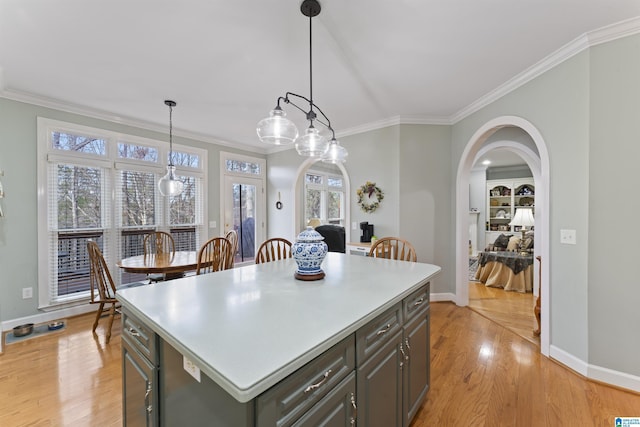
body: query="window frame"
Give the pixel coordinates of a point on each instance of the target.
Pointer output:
(112, 166)
(324, 189)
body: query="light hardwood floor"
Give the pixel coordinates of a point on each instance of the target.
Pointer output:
(513, 310)
(481, 375)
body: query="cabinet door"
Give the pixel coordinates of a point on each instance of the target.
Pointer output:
(139, 388)
(379, 397)
(416, 366)
(336, 409)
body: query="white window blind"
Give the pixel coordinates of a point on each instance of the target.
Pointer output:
(77, 212)
(84, 168)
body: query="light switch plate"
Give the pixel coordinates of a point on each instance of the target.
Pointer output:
(354, 225)
(213, 224)
(192, 369)
(568, 237)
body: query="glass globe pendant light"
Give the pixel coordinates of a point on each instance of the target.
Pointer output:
(336, 153)
(278, 130)
(312, 143)
(169, 185)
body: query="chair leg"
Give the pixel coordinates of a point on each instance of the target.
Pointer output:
(98, 314)
(112, 314)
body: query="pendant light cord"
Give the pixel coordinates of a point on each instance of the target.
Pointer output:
(170, 135)
(311, 70)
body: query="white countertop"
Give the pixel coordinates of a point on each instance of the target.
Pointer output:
(249, 327)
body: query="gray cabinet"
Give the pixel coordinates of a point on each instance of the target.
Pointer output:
(377, 376)
(379, 386)
(416, 352)
(393, 363)
(336, 409)
(416, 367)
(139, 374)
(294, 396)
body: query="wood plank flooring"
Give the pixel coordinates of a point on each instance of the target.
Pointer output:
(513, 310)
(481, 375)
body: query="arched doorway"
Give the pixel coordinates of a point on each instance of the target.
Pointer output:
(539, 165)
(298, 184)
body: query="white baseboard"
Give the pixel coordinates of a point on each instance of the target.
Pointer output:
(569, 360)
(447, 296)
(48, 316)
(619, 379)
(596, 373)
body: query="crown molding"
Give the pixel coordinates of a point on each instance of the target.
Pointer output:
(94, 113)
(393, 121)
(585, 41)
(613, 32)
(593, 38)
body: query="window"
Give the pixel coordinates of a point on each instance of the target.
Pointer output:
(324, 198)
(81, 171)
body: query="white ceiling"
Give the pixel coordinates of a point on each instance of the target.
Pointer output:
(226, 62)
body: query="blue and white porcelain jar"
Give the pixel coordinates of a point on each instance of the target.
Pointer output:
(309, 251)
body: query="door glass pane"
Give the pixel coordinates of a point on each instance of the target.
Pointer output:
(335, 206)
(244, 220)
(313, 205)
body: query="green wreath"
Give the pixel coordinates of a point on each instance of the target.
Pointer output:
(366, 193)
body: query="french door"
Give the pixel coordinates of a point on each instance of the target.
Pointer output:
(244, 211)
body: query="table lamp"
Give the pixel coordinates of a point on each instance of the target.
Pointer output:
(523, 218)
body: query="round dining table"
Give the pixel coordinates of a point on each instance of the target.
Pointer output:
(179, 262)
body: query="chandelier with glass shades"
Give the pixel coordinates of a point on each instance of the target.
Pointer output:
(277, 129)
(169, 185)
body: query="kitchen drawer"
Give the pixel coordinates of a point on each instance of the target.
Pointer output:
(140, 336)
(288, 400)
(377, 332)
(415, 303)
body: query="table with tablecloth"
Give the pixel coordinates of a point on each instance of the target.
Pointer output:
(512, 271)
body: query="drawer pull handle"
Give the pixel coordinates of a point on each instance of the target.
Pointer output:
(149, 407)
(418, 302)
(319, 383)
(403, 354)
(385, 330)
(355, 410)
(134, 333)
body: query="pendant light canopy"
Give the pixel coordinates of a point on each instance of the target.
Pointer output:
(277, 129)
(168, 184)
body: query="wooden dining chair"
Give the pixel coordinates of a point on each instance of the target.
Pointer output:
(214, 256)
(393, 248)
(103, 290)
(232, 237)
(158, 243)
(273, 249)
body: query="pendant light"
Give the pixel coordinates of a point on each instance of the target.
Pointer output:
(168, 184)
(277, 129)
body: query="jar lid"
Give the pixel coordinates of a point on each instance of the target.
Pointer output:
(309, 235)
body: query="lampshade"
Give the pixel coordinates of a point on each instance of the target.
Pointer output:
(336, 153)
(277, 129)
(168, 184)
(312, 143)
(523, 218)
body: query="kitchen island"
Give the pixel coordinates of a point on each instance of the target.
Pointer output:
(221, 347)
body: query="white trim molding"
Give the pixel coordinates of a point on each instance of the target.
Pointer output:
(596, 373)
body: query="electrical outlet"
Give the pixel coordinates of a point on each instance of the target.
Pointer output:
(27, 293)
(568, 237)
(192, 369)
